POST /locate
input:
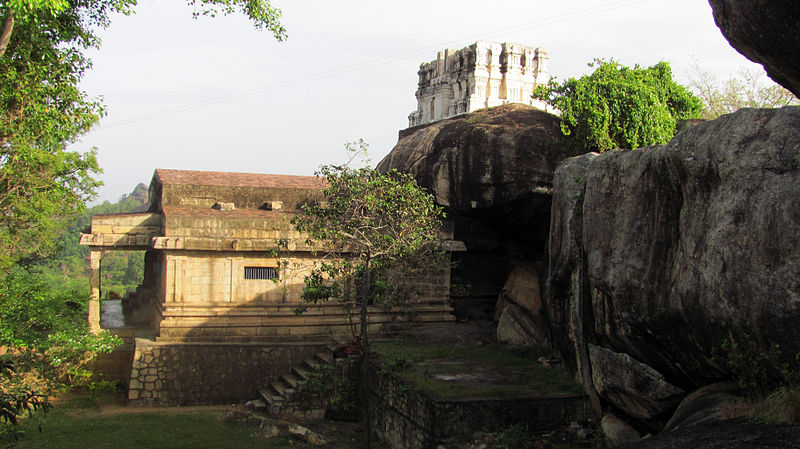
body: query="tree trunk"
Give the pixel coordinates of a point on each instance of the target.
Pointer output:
(363, 393)
(8, 27)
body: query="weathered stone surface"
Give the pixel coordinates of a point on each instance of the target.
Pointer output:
(521, 288)
(617, 431)
(484, 159)
(516, 327)
(738, 434)
(765, 31)
(307, 435)
(704, 405)
(665, 252)
(634, 387)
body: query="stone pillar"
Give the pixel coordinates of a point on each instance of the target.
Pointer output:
(95, 262)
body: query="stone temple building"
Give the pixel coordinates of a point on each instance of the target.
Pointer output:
(219, 291)
(482, 75)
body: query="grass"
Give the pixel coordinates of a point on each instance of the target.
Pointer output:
(515, 370)
(79, 424)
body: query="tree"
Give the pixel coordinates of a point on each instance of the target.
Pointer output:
(380, 230)
(260, 12)
(620, 107)
(42, 111)
(747, 89)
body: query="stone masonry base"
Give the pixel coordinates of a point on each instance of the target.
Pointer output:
(209, 373)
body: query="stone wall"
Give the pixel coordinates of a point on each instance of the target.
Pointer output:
(407, 417)
(209, 373)
(201, 277)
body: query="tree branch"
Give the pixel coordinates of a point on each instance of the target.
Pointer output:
(8, 27)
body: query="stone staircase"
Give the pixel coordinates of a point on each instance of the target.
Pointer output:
(277, 398)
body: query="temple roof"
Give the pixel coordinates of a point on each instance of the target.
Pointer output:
(212, 178)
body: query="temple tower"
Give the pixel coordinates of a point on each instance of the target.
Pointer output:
(482, 75)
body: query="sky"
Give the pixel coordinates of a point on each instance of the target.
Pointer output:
(217, 94)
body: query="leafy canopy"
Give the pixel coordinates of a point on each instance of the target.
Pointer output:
(376, 227)
(43, 110)
(620, 107)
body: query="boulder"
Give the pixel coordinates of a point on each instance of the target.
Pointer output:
(766, 32)
(482, 159)
(492, 170)
(666, 253)
(521, 288)
(617, 431)
(495, 163)
(703, 406)
(633, 387)
(516, 327)
(728, 434)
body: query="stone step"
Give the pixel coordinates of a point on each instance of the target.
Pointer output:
(277, 395)
(301, 373)
(270, 397)
(278, 388)
(290, 379)
(324, 357)
(311, 365)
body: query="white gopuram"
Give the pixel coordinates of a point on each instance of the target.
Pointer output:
(482, 75)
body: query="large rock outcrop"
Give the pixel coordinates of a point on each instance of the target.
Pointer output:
(765, 31)
(665, 253)
(492, 170)
(495, 163)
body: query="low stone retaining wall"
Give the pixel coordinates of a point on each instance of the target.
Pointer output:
(209, 373)
(407, 417)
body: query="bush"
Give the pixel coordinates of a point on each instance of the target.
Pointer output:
(620, 107)
(46, 343)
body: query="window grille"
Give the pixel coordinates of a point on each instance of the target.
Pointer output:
(260, 273)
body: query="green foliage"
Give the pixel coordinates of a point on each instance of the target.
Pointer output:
(46, 344)
(260, 12)
(68, 267)
(15, 401)
(746, 89)
(327, 385)
(620, 107)
(758, 371)
(378, 229)
(43, 110)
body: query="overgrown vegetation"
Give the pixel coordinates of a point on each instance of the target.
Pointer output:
(329, 386)
(427, 365)
(45, 345)
(769, 379)
(620, 107)
(757, 371)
